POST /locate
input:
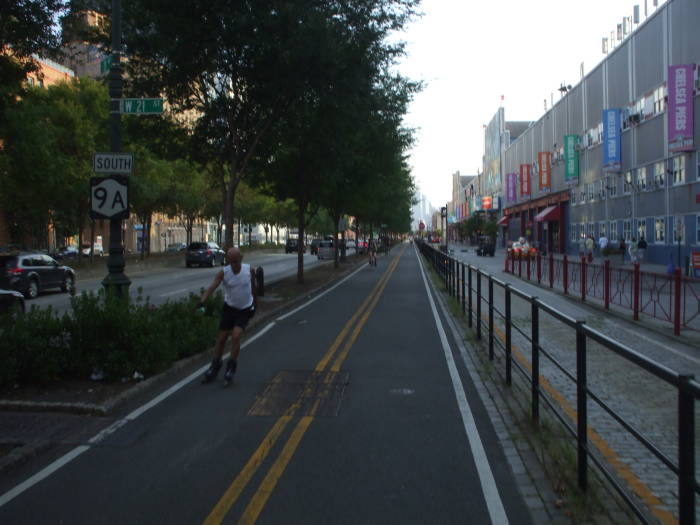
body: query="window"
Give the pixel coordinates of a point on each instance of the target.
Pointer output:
(573, 196)
(659, 174)
(574, 228)
(590, 227)
(659, 102)
(678, 171)
(600, 185)
(589, 191)
(641, 228)
(678, 229)
(642, 179)
(611, 186)
(603, 229)
(613, 230)
(660, 229)
(626, 230)
(627, 182)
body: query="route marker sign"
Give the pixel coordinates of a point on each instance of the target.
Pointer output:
(109, 197)
(140, 106)
(113, 163)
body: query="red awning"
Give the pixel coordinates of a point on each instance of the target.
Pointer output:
(550, 213)
(503, 221)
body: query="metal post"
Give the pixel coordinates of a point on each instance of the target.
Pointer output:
(565, 275)
(116, 281)
(581, 407)
(635, 292)
(539, 268)
(583, 278)
(508, 337)
(606, 283)
(520, 264)
(528, 266)
(535, 379)
(469, 285)
(478, 304)
(686, 452)
(490, 318)
(551, 270)
(463, 285)
(677, 302)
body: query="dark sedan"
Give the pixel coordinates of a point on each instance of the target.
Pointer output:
(31, 273)
(11, 303)
(204, 254)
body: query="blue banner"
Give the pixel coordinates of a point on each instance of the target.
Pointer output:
(612, 143)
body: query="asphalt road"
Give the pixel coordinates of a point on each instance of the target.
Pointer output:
(167, 283)
(357, 408)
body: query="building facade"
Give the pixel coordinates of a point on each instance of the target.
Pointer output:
(617, 155)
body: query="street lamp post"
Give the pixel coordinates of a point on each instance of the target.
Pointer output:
(116, 281)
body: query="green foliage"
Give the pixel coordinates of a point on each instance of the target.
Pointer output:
(106, 334)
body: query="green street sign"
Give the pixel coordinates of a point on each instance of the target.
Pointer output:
(141, 106)
(106, 64)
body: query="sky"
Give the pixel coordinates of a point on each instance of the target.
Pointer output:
(469, 53)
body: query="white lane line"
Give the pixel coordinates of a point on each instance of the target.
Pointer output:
(70, 456)
(42, 474)
(494, 504)
(181, 290)
(289, 314)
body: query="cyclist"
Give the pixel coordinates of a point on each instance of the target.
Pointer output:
(372, 250)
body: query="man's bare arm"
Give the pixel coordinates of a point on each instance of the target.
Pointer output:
(213, 286)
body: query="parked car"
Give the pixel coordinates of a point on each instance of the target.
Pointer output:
(314, 246)
(11, 303)
(176, 247)
(361, 247)
(486, 246)
(204, 253)
(326, 250)
(97, 250)
(66, 253)
(31, 273)
(292, 245)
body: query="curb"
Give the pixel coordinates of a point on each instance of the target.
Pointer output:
(113, 403)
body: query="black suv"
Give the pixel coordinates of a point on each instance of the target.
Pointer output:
(204, 253)
(292, 245)
(31, 273)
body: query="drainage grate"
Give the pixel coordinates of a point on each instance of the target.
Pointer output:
(314, 394)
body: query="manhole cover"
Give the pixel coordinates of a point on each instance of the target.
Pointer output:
(306, 393)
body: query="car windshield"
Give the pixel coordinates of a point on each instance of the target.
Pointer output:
(197, 246)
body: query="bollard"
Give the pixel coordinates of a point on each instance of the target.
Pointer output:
(260, 281)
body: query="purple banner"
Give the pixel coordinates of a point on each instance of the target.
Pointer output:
(511, 187)
(680, 107)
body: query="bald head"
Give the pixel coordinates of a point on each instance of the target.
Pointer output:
(234, 256)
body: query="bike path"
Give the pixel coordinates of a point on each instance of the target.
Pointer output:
(393, 449)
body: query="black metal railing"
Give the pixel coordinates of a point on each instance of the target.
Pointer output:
(458, 279)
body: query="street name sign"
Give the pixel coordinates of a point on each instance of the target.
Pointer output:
(106, 64)
(140, 106)
(113, 163)
(109, 197)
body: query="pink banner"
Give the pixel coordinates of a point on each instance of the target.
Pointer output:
(680, 107)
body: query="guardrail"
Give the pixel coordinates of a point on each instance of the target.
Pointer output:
(671, 298)
(464, 282)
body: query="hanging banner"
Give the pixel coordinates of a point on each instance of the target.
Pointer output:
(513, 187)
(571, 158)
(612, 143)
(525, 180)
(486, 203)
(680, 108)
(544, 159)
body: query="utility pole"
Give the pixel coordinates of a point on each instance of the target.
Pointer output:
(116, 281)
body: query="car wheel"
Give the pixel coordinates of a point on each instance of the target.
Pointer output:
(68, 284)
(33, 289)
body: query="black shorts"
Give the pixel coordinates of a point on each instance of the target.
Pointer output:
(232, 317)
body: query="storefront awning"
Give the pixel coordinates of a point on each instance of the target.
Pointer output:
(503, 221)
(550, 213)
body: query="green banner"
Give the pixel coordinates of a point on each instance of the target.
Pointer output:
(571, 157)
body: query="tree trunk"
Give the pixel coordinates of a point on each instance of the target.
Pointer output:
(229, 197)
(250, 235)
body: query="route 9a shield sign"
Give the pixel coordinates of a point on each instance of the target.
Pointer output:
(109, 197)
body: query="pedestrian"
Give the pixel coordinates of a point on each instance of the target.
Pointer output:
(603, 243)
(590, 244)
(622, 249)
(641, 249)
(240, 303)
(633, 250)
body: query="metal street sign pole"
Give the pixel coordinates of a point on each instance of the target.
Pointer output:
(116, 281)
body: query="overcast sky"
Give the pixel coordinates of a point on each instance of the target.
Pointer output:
(470, 52)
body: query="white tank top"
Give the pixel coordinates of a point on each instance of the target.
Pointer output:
(237, 287)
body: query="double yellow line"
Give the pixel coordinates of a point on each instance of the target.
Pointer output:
(268, 484)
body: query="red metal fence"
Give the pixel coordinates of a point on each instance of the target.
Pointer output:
(671, 298)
